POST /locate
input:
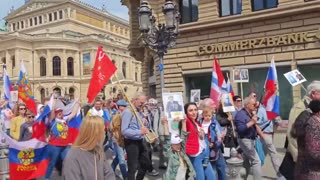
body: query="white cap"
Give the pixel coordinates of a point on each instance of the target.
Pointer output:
(175, 139)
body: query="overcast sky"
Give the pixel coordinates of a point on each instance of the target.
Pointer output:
(112, 6)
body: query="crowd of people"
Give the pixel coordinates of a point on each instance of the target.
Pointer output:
(197, 152)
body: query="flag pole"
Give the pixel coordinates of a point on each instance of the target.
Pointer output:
(232, 125)
(151, 136)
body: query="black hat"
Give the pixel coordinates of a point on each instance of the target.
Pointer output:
(315, 106)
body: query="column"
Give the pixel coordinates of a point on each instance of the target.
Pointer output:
(64, 67)
(36, 64)
(8, 63)
(49, 63)
(76, 64)
(69, 13)
(16, 69)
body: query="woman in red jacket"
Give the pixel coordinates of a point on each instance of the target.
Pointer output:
(195, 143)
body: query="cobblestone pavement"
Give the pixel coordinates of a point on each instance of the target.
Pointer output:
(267, 169)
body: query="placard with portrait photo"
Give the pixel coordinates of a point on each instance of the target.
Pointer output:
(227, 102)
(295, 77)
(240, 75)
(195, 96)
(173, 108)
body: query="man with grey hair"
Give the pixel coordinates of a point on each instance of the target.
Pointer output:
(313, 93)
(133, 133)
(245, 122)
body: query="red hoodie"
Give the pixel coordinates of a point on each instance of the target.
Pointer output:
(192, 143)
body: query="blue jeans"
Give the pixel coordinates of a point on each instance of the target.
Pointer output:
(119, 159)
(201, 172)
(220, 167)
(207, 150)
(55, 152)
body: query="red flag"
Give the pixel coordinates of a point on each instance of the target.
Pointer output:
(102, 71)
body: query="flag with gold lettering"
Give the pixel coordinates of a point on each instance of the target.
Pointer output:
(27, 159)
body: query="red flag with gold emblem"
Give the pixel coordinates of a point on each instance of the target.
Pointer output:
(102, 71)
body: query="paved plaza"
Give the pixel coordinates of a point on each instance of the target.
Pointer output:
(267, 169)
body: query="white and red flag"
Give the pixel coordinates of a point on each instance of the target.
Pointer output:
(217, 82)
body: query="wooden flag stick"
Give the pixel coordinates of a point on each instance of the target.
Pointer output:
(151, 136)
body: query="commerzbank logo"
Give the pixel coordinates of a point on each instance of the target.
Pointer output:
(263, 42)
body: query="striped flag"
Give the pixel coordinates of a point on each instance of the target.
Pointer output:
(217, 82)
(24, 90)
(7, 88)
(229, 87)
(271, 98)
(27, 159)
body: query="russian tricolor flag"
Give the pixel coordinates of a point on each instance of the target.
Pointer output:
(24, 90)
(217, 82)
(7, 88)
(74, 126)
(27, 159)
(271, 98)
(40, 125)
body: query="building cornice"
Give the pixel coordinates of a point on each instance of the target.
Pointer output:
(64, 4)
(210, 23)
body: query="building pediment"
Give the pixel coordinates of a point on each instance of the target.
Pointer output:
(33, 5)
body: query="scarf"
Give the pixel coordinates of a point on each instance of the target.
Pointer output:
(95, 112)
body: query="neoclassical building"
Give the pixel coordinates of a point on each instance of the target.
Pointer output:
(57, 41)
(242, 34)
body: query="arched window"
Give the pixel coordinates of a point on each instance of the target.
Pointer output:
(124, 68)
(43, 66)
(57, 91)
(56, 66)
(71, 93)
(151, 68)
(114, 90)
(70, 66)
(136, 76)
(42, 95)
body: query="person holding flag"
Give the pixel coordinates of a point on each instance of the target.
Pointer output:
(58, 144)
(267, 113)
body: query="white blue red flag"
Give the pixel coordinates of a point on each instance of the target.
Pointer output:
(27, 159)
(229, 87)
(42, 122)
(271, 98)
(40, 125)
(217, 82)
(7, 88)
(24, 90)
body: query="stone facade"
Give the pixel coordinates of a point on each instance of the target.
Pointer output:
(58, 39)
(289, 18)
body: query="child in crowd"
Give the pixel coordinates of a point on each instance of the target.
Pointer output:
(212, 133)
(174, 149)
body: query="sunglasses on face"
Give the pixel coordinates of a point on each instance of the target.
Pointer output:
(22, 108)
(239, 100)
(30, 117)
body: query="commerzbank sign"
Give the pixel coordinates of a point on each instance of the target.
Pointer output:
(263, 42)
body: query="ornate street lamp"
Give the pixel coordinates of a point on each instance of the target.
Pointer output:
(159, 37)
